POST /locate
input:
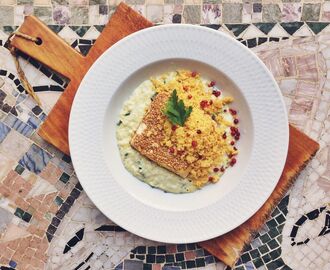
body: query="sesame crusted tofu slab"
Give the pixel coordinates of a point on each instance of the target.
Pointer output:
(149, 135)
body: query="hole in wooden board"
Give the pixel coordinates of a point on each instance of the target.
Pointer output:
(38, 41)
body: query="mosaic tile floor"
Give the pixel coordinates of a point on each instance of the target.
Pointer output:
(46, 219)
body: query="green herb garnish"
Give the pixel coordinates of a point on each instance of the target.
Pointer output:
(176, 111)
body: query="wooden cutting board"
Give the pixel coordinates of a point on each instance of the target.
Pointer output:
(59, 56)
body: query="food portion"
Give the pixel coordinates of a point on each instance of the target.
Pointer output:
(182, 129)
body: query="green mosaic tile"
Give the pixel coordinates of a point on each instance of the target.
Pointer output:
(311, 12)
(265, 27)
(99, 28)
(99, 2)
(80, 30)
(56, 28)
(64, 178)
(26, 217)
(19, 212)
(263, 249)
(291, 27)
(257, 262)
(272, 244)
(19, 169)
(317, 27)
(237, 29)
(58, 200)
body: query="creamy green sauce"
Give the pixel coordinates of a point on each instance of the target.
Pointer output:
(144, 169)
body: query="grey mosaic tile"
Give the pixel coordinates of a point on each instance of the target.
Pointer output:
(232, 12)
(79, 15)
(271, 13)
(6, 15)
(311, 12)
(44, 14)
(192, 14)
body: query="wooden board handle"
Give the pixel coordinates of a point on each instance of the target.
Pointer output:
(53, 52)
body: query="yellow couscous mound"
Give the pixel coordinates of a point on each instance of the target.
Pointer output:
(202, 141)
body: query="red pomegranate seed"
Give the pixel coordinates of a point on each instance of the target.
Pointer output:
(172, 150)
(232, 133)
(222, 169)
(185, 88)
(236, 121)
(194, 144)
(174, 127)
(199, 131)
(189, 96)
(216, 93)
(193, 74)
(211, 84)
(203, 104)
(232, 142)
(230, 155)
(211, 178)
(236, 137)
(233, 112)
(224, 136)
(216, 169)
(233, 161)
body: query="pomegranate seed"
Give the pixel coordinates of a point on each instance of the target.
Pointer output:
(174, 127)
(211, 84)
(233, 112)
(238, 133)
(211, 178)
(233, 161)
(172, 150)
(203, 104)
(194, 144)
(230, 155)
(189, 96)
(232, 142)
(216, 169)
(233, 129)
(216, 93)
(199, 131)
(224, 136)
(222, 169)
(236, 121)
(185, 88)
(236, 137)
(232, 133)
(193, 74)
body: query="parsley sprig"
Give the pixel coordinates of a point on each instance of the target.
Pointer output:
(176, 111)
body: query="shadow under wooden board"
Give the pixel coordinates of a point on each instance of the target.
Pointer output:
(58, 55)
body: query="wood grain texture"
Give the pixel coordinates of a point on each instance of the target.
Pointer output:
(62, 58)
(55, 129)
(228, 246)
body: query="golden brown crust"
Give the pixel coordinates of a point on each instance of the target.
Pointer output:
(149, 135)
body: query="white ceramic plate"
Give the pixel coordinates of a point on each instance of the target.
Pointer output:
(217, 208)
